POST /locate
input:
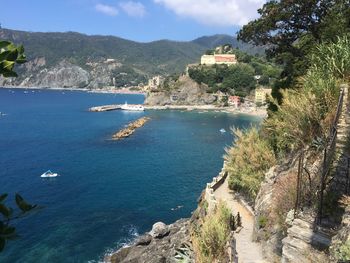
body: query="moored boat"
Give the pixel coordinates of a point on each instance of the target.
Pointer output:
(132, 107)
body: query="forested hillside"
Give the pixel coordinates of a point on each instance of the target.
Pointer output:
(134, 62)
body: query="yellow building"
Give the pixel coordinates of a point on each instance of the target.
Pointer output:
(261, 94)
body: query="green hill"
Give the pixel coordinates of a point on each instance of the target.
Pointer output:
(138, 60)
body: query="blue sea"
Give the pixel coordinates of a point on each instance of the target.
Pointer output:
(108, 191)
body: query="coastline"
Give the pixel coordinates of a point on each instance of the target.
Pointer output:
(257, 112)
(103, 90)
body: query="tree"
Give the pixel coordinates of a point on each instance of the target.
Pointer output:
(7, 231)
(11, 54)
(291, 28)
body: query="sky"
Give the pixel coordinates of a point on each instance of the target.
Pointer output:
(140, 20)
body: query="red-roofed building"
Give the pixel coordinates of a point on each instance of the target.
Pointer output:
(234, 101)
(228, 59)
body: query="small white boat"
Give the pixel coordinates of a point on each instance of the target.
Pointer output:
(132, 107)
(222, 130)
(49, 174)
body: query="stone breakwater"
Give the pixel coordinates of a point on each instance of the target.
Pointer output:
(130, 129)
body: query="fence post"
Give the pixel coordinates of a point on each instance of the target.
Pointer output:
(300, 169)
(324, 170)
(347, 190)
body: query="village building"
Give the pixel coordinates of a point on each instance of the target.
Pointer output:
(234, 101)
(220, 96)
(155, 82)
(261, 94)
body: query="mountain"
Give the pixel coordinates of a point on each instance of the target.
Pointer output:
(72, 59)
(217, 40)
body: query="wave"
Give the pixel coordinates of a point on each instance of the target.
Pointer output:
(130, 234)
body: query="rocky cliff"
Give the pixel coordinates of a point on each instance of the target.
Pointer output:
(63, 75)
(163, 244)
(184, 91)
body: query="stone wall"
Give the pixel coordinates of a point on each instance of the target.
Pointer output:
(212, 186)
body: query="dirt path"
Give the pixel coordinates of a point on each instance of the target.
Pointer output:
(248, 251)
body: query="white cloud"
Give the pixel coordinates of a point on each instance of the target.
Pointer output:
(215, 12)
(135, 9)
(106, 9)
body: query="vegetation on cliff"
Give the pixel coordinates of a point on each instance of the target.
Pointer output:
(300, 125)
(247, 161)
(138, 61)
(291, 29)
(302, 120)
(211, 236)
(238, 79)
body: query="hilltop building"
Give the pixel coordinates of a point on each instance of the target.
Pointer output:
(261, 95)
(228, 59)
(155, 82)
(221, 55)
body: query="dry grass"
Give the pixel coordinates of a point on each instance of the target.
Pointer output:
(209, 240)
(247, 161)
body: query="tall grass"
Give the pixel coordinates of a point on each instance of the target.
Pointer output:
(306, 112)
(247, 161)
(297, 122)
(211, 239)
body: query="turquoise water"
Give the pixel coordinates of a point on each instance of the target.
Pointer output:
(108, 191)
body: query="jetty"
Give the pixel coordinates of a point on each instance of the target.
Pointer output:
(130, 129)
(105, 108)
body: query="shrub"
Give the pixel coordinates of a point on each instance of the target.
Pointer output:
(247, 161)
(329, 64)
(262, 221)
(305, 114)
(296, 123)
(342, 252)
(210, 240)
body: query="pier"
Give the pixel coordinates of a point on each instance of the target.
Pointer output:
(106, 108)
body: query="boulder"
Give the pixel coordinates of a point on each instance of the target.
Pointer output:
(159, 230)
(159, 250)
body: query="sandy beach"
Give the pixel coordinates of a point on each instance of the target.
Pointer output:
(259, 112)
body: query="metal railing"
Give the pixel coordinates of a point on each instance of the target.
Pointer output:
(323, 170)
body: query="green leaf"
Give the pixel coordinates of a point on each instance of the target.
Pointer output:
(4, 44)
(9, 231)
(3, 197)
(12, 56)
(4, 54)
(23, 205)
(5, 211)
(8, 74)
(7, 65)
(2, 243)
(20, 49)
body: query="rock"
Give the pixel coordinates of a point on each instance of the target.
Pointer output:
(143, 240)
(159, 230)
(185, 91)
(159, 249)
